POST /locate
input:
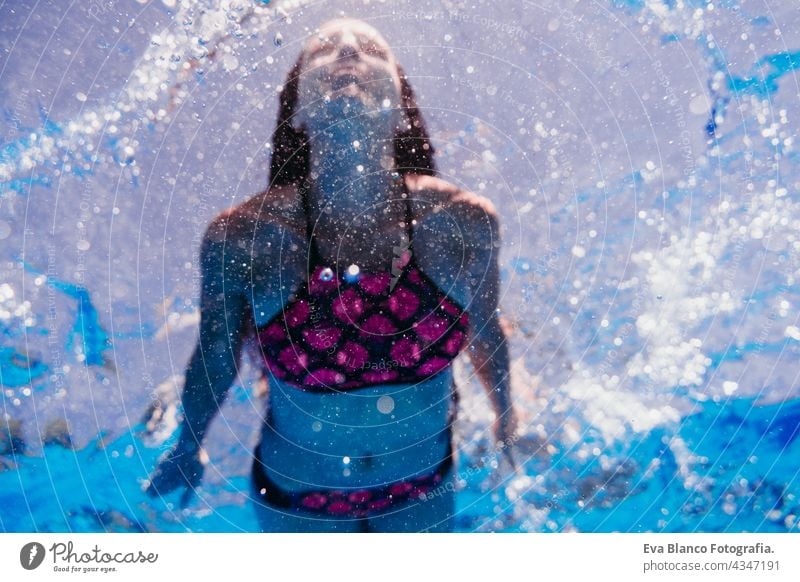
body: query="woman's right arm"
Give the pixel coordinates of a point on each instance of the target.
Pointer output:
(214, 363)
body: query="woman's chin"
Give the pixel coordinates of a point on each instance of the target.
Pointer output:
(351, 100)
(344, 82)
(353, 94)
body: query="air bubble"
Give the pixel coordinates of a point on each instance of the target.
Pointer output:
(385, 404)
(352, 273)
(278, 40)
(326, 274)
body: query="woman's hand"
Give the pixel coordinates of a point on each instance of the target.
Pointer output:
(183, 466)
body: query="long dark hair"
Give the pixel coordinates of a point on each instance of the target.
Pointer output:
(413, 151)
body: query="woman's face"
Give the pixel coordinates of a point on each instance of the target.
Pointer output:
(348, 68)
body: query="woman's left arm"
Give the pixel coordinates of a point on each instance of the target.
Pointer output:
(488, 343)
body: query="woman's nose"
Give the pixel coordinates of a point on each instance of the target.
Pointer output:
(348, 51)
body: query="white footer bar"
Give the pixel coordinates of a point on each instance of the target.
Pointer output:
(400, 557)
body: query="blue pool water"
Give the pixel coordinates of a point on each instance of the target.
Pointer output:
(642, 155)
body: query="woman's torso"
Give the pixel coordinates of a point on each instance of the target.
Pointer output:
(372, 434)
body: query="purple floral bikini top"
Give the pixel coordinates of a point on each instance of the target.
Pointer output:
(342, 332)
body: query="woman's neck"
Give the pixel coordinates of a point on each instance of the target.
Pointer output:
(355, 196)
(350, 165)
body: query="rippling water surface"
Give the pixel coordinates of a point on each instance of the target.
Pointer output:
(641, 154)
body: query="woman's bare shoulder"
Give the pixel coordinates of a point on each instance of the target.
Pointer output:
(274, 211)
(437, 192)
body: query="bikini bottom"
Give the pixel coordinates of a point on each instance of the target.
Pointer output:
(351, 502)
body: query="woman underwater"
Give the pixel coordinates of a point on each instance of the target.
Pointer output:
(356, 278)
